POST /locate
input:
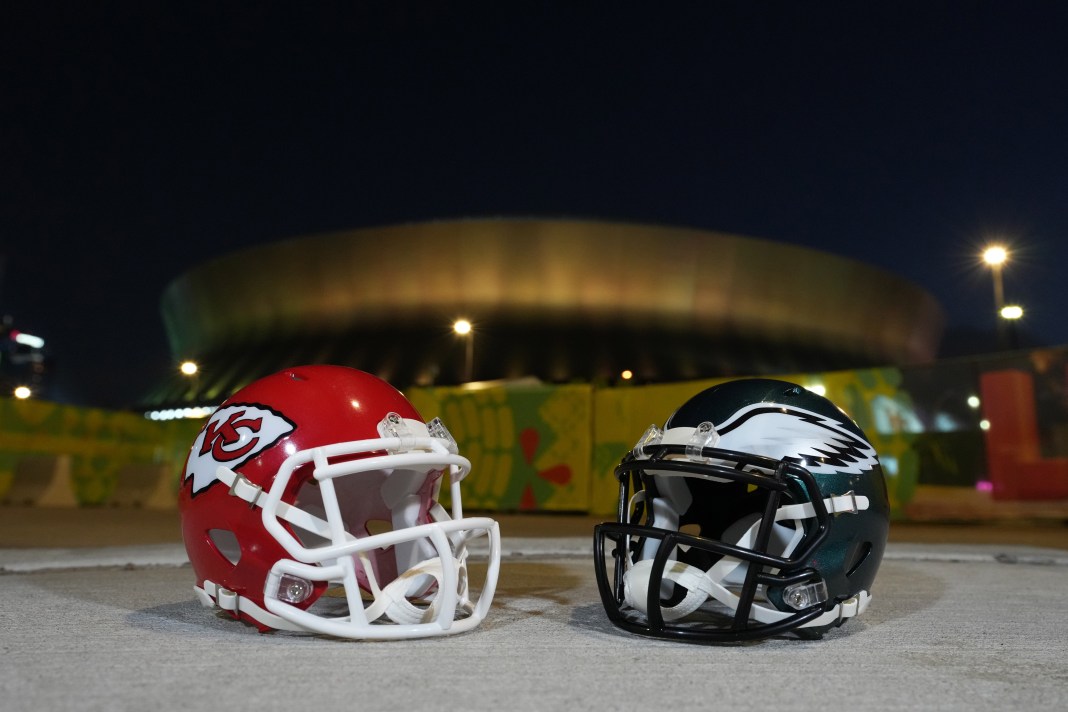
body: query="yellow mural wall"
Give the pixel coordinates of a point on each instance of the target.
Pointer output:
(529, 446)
(532, 447)
(85, 450)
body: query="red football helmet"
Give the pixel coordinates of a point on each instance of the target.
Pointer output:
(324, 479)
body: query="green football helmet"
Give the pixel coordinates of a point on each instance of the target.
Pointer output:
(759, 510)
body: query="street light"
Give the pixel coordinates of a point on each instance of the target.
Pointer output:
(1011, 311)
(463, 328)
(996, 256)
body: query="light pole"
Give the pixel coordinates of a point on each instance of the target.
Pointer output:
(996, 256)
(191, 370)
(463, 328)
(1010, 314)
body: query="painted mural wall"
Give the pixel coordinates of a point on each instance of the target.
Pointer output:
(58, 455)
(529, 446)
(994, 428)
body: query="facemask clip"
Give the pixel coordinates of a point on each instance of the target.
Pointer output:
(704, 436)
(437, 429)
(393, 426)
(287, 588)
(805, 595)
(651, 437)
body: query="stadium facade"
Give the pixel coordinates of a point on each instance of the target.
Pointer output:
(554, 300)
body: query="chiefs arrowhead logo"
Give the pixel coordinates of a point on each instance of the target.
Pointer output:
(231, 437)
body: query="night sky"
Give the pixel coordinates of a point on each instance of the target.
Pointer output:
(139, 140)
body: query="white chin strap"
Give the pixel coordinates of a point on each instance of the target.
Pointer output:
(701, 586)
(393, 600)
(213, 595)
(390, 604)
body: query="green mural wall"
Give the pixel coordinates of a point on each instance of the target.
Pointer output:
(547, 448)
(95, 444)
(553, 448)
(529, 446)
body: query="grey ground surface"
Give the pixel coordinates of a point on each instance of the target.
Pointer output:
(964, 618)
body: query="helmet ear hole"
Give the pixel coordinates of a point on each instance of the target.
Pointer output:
(378, 526)
(860, 553)
(693, 529)
(226, 544)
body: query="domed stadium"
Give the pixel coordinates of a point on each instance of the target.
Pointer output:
(553, 300)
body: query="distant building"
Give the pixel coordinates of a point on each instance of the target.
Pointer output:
(555, 300)
(24, 362)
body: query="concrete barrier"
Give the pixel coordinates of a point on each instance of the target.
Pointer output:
(43, 481)
(146, 485)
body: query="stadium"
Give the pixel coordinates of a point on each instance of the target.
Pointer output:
(558, 301)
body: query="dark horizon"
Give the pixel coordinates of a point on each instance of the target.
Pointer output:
(140, 141)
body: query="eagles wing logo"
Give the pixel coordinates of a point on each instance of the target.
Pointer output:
(781, 431)
(231, 436)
